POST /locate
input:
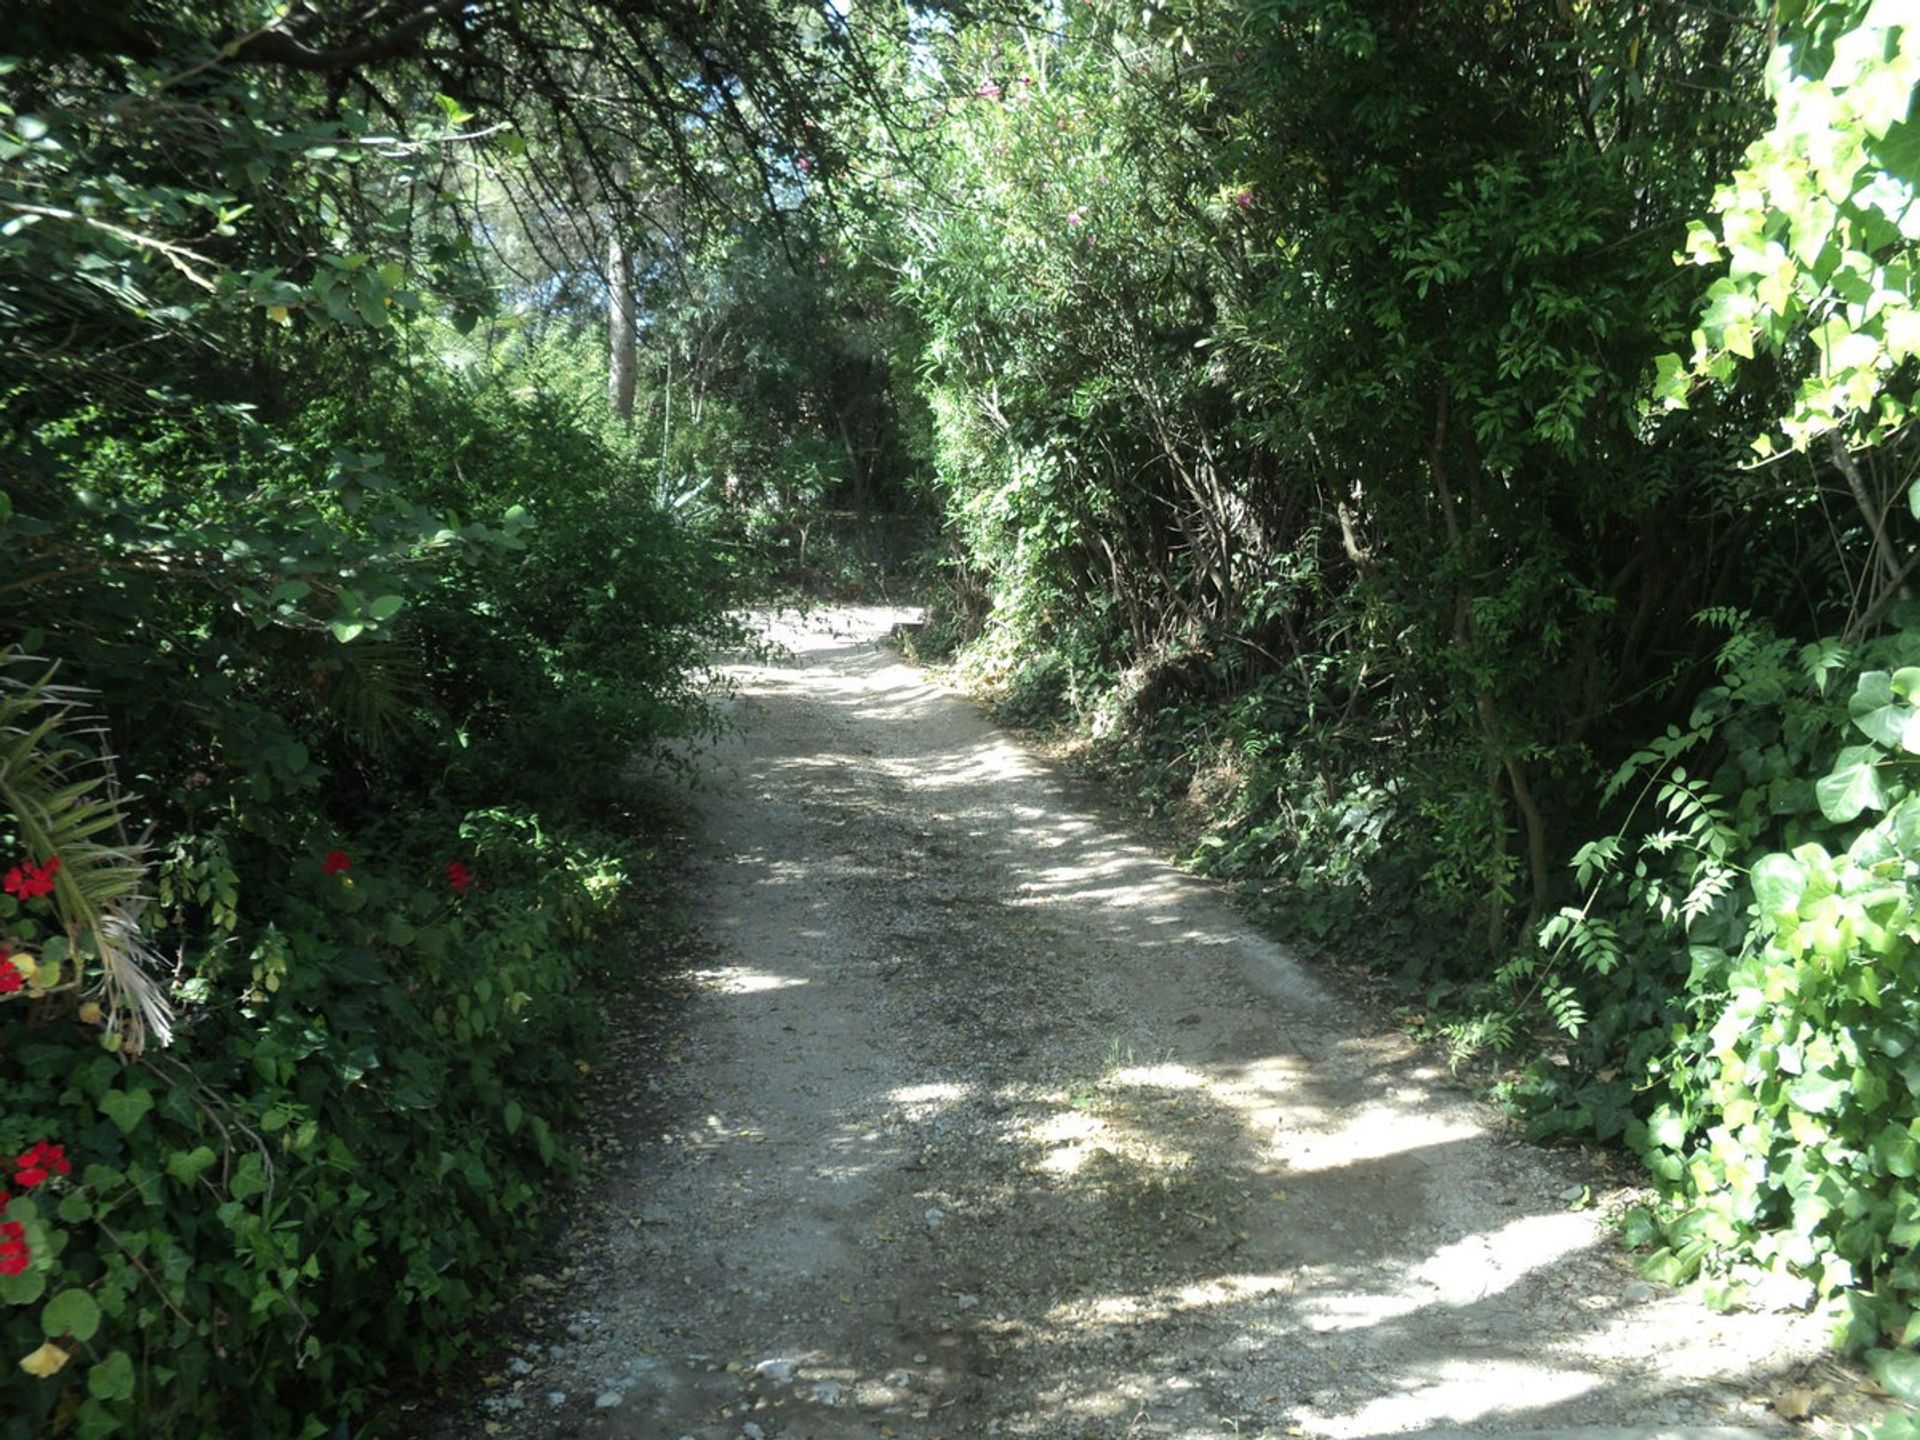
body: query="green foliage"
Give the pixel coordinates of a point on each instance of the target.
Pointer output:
(1295, 380)
(248, 1204)
(1818, 228)
(1789, 1142)
(771, 399)
(1240, 360)
(336, 620)
(328, 666)
(1746, 949)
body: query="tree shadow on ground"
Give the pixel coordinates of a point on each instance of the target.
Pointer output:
(1098, 1162)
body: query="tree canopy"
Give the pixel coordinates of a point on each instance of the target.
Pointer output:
(1455, 458)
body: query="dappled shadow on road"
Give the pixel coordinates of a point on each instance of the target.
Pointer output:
(1069, 1153)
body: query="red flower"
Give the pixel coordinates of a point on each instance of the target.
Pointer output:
(13, 1247)
(335, 863)
(805, 165)
(459, 876)
(1244, 199)
(30, 881)
(987, 90)
(33, 1167)
(10, 979)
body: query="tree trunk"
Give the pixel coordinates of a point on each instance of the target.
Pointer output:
(1484, 704)
(623, 359)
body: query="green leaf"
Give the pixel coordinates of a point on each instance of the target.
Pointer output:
(514, 1116)
(1876, 710)
(1818, 1094)
(1895, 1149)
(112, 1378)
(249, 1177)
(1898, 1372)
(1639, 1228)
(1852, 785)
(71, 1312)
(187, 1166)
(126, 1108)
(1666, 1128)
(385, 607)
(1778, 883)
(347, 631)
(24, 1288)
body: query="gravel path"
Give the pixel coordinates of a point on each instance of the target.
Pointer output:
(987, 1122)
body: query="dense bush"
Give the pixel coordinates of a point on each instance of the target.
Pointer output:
(385, 745)
(1353, 418)
(346, 1146)
(1739, 981)
(338, 616)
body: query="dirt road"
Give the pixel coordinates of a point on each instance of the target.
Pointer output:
(989, 1123)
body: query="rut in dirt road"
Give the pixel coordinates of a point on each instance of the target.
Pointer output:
(989, 1123)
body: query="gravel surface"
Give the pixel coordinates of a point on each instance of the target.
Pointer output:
(984, 1121)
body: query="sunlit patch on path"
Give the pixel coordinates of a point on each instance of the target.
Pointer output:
(988, 1122)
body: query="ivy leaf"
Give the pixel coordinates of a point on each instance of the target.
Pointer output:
(126, 1108)
(249, 1178)
(49, 1359)
(71, 1312)
(1818, 1094)
(1876, 710)
(1778, 883)
(1894, 1148)
(1898, 1372)
(1852, 785)
(187, 1166)
(112, 1378)
(1667, 1128)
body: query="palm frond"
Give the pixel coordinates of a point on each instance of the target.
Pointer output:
(377, 684)
(57, 785)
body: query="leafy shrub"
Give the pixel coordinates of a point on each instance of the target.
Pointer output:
(379, 742)
(1748, 953)
(1038, 693)
(333, 1165)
